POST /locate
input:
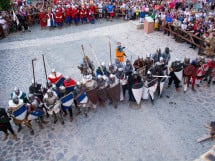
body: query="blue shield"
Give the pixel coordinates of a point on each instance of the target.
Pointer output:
(82, 98)
(67, 101)
(60, 82)
(35, 114)
(21, 112)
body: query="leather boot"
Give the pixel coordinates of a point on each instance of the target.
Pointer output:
(5, 136)
(14, 136)
(40, 125)
(44, 121)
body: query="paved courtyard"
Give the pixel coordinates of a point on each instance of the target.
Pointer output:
(165, 131)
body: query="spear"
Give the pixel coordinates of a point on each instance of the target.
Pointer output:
(85, 57)
(44, 64)
(110, 52)
(33, 69)
(96, 58)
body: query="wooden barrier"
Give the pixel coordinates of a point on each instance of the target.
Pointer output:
(181, 35)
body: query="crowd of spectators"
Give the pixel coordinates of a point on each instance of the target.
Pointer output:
(197, 16)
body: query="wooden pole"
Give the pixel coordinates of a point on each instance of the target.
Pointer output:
(44, 64)
(33, 70)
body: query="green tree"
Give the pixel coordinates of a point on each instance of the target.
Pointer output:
(5, 5)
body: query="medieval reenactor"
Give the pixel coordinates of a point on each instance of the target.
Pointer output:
(18, 110)
(5, 124)
(114, 90)
(62, 93)
(91, 90)
(166, 55)
(20, 94)
(56, 77)
(128, 67)
(52, 103)
(102, 89)
(175, 73)
(36, 89)
(123, 78)
(35, 105)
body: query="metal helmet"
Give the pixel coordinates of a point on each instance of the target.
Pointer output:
(15, 99)
(31, 96)
(62, 89)
(49, 93)
(16, 89)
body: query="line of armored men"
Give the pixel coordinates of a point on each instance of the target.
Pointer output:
(105, 85)
(62, 94)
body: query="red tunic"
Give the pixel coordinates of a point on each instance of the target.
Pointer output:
(83, 13)
(70, 83)
(54, 77)
(59, 15)
(43, 19)
(74, 13)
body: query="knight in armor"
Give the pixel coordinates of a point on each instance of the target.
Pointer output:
(158, 70)
(113, 82)
(19, 94)
(104, 69)
(35, 103)
(51, 102)
(120, 54)
(54, 76)
(128, 67)
(175, 66)
(69, 83)
(13, 104)
(36, 90)
(102, 85)
(148, 64)
(123, 78)
(86, 67)
(90, 87)
(62, 92)
(156, 56)
(133, 80)
(5, 124)
(150, 86)
(112, 69)
(166, 55)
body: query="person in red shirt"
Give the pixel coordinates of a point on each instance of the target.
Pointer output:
(59, 16)
(54, 76)
(69, 84)
(43, 19)
(68, 19)
(91, 13)
(83, 14)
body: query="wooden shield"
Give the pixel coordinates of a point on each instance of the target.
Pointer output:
(114, 93)
(93, 95)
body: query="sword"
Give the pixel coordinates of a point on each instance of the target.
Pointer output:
(159, 76)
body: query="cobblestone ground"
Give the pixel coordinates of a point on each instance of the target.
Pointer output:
(165, 131)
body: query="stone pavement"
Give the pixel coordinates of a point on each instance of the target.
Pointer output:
(165, 131)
